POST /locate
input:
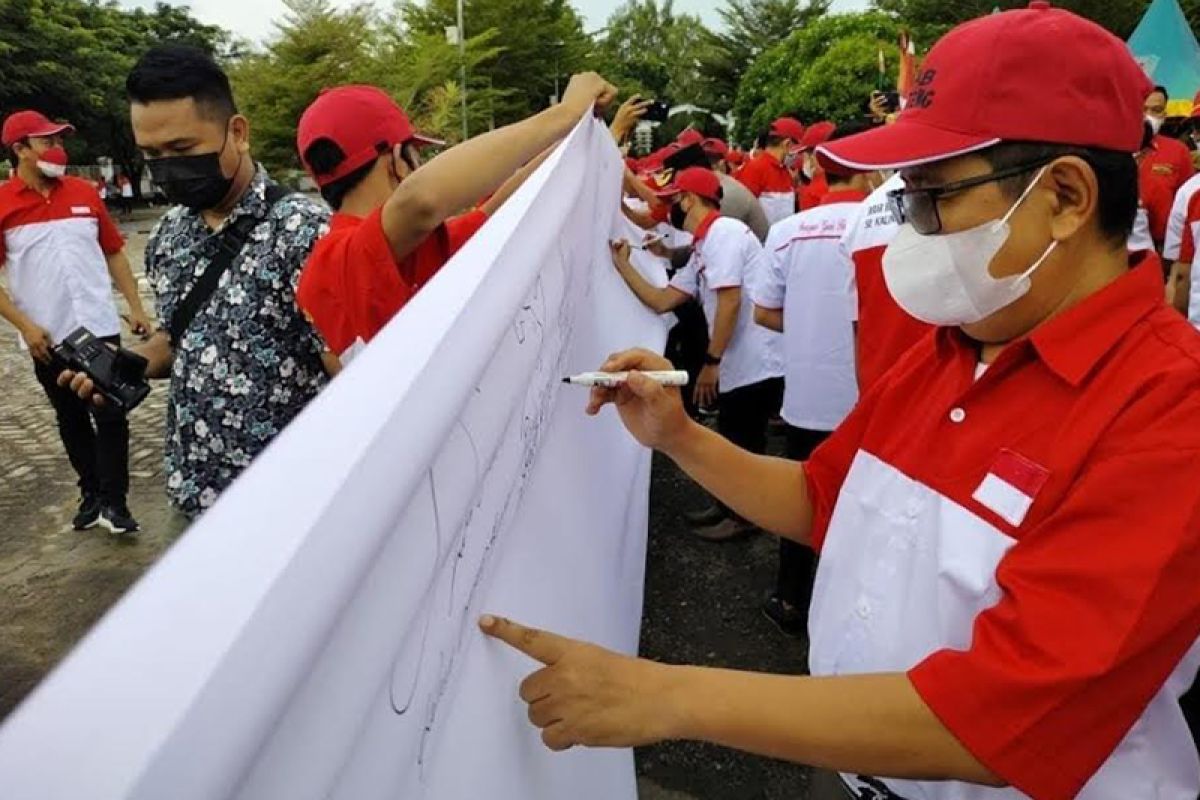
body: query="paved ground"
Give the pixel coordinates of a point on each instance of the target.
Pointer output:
(701, 598)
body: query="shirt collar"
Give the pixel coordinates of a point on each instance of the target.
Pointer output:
(705, 224)
(1073, 342)
(842, 196)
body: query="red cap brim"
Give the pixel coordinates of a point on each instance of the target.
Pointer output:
(670, 190)
(54, 130)
(899, 145)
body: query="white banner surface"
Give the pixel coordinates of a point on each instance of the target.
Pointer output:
(314, 634)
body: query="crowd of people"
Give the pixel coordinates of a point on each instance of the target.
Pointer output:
(971, 317)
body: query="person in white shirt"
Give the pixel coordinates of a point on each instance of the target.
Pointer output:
(743, 366)
(803, 291)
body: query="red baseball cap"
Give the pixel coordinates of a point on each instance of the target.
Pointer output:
(786, 126)
(817, 133)
(715, 147)
(696, 180)
(24, 124)
(1050, 76)
(357, 119)
(688, 137)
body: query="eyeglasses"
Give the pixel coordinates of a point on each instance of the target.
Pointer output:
(920, 206)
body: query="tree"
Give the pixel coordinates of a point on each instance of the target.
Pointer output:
(318, 46)
(542, 43)
(929, 19)
(69, 59)
(750, 27)
(650, 50)
(825, 71)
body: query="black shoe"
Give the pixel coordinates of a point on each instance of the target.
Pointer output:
(88, 515)
(704, 517)
(789, 619)
(117, 519)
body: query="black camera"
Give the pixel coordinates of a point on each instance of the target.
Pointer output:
(119, 374)
(657, 111)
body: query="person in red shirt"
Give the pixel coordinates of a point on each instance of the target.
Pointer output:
(766, 175)
(1009, 521)
(1166, 164)
(814, 185)
(395, 223)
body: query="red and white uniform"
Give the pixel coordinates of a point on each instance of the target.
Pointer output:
(807, 275)
(352, 284)
(1003, 538)
(1187, 254)
(727, 254)
(54, 248)
(769, 180)
(885, 331)
(1177, 218)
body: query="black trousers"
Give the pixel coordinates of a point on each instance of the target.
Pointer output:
(99, 454)
(686, 345)
(743, 414)
(797, 562)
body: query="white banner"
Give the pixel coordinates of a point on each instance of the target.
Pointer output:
(314, 634)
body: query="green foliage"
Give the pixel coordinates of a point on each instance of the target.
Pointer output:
(650, 50)
(825, 71)
(318, 46)
(540, 40)
(929, 19)
(749, 28)
(69, 59)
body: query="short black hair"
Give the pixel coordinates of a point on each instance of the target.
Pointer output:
(1116, 178)
(775, 141)
(1161, 90)
(13, 159)
(324, 155)
(176, 71)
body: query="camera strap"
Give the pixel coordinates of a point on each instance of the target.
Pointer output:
(229, 243)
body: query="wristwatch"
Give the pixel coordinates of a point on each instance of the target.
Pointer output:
(711, 360)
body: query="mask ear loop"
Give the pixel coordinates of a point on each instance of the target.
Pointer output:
(1024, 194)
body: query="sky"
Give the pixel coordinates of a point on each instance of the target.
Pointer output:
(252, 18)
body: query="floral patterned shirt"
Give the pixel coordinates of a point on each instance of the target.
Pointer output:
(249, 362)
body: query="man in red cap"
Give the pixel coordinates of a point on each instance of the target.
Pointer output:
(743, 368)
(813, 183)
(717, 152)
(394, 225)
(767, 176)
(1009, 521)
(63, 254)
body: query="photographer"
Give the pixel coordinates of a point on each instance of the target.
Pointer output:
(63, 253)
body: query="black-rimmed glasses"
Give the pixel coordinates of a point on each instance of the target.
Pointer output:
(920, 206)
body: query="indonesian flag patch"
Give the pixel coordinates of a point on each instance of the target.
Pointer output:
(1010, 486)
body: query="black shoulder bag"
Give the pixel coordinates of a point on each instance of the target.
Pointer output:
(229, 243)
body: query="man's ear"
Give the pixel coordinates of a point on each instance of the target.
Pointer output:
(239, 129)
(1076, 196)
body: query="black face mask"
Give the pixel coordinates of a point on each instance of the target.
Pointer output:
(678, 215)
(193, 181)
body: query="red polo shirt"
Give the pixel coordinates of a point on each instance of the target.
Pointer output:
(765, 173)
(1168, 164)
(1025, 544)
(54, 249)
(811, 194)
(352, 284)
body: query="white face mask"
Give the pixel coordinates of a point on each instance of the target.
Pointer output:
(943, 279)
(1156, 123)
(52, 170)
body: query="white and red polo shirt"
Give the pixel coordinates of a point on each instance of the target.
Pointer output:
(726, 253)
(769, 180)
(806, 275)
(885, 331)
(1177, 218)
(1187, 254)
(1025, 544)
(352, 284)
(54, 249)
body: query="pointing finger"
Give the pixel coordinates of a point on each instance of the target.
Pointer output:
(542, 646)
